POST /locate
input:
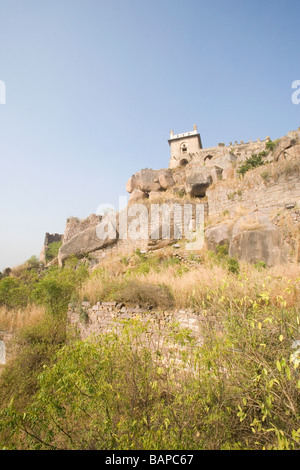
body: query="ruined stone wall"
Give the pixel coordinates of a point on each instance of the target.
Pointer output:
(149, 241)
(147, 231)
(75, 225)
(103, 317)
(257, 190)
(49, 238)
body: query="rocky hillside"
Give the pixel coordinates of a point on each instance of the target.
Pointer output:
(251, 202)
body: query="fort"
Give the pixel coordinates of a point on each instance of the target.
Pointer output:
(187, 148)
(244, 210)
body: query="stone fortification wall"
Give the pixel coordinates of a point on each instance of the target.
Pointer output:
(214, 155)
(75, 225)
(145, 233)
(49, 238)
(257, 190)
(103, 317)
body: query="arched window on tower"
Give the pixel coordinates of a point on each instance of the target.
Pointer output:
(183, 148)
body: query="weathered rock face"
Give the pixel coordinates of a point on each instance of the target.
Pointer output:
(291, 153)
(258, 245)
(197, 183)
(166, 180)
(137, 195)
(90, 240)
(218, 235)
(252, 238)
(282, 144)
(146, 180)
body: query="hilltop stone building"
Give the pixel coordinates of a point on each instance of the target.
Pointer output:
(187, 149)
(184, 145)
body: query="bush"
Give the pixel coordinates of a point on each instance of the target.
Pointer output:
(238, 390)
(252, 162)
(259, 265)
(222, 257)
(270, 145)
(14, 292)
(52, 250)
(233, 265)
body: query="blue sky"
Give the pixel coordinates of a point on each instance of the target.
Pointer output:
(93, 88)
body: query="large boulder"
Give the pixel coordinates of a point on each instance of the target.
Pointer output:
(217, 235)
(252, 238)
(282, 144)
(255, 237)
(137, 195)
(258, 245)
(166, 180)
(146, 180)
(131, 184)
(150, 180)
(94, 238)
(197, 183)
(292, 152)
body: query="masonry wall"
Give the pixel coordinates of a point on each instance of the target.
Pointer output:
(241, 150)
(253, 191)
(126, 246)
(75, 226)
(192, 143)
(104, 317)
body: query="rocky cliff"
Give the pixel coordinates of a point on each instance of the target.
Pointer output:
(251, 203)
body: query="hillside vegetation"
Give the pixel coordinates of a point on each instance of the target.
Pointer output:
(239, 389)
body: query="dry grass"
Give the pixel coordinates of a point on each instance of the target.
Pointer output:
(15, 319)
(169, 197)
(192, 287)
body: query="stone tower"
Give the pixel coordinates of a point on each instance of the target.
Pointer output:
(183, 145)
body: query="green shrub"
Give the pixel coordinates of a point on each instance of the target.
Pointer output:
(270, 145)
(237, 390)
(233, 265)
(52, 250)
(260, 265)
(222, 250)
(58, 288)
(14, 293)
(252, 162)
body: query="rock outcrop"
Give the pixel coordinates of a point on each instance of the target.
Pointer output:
(197, 183)
(91, 239)
(283, 144)
(200, 179)
(252, 238)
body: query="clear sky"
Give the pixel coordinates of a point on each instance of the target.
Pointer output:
(93, 88)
